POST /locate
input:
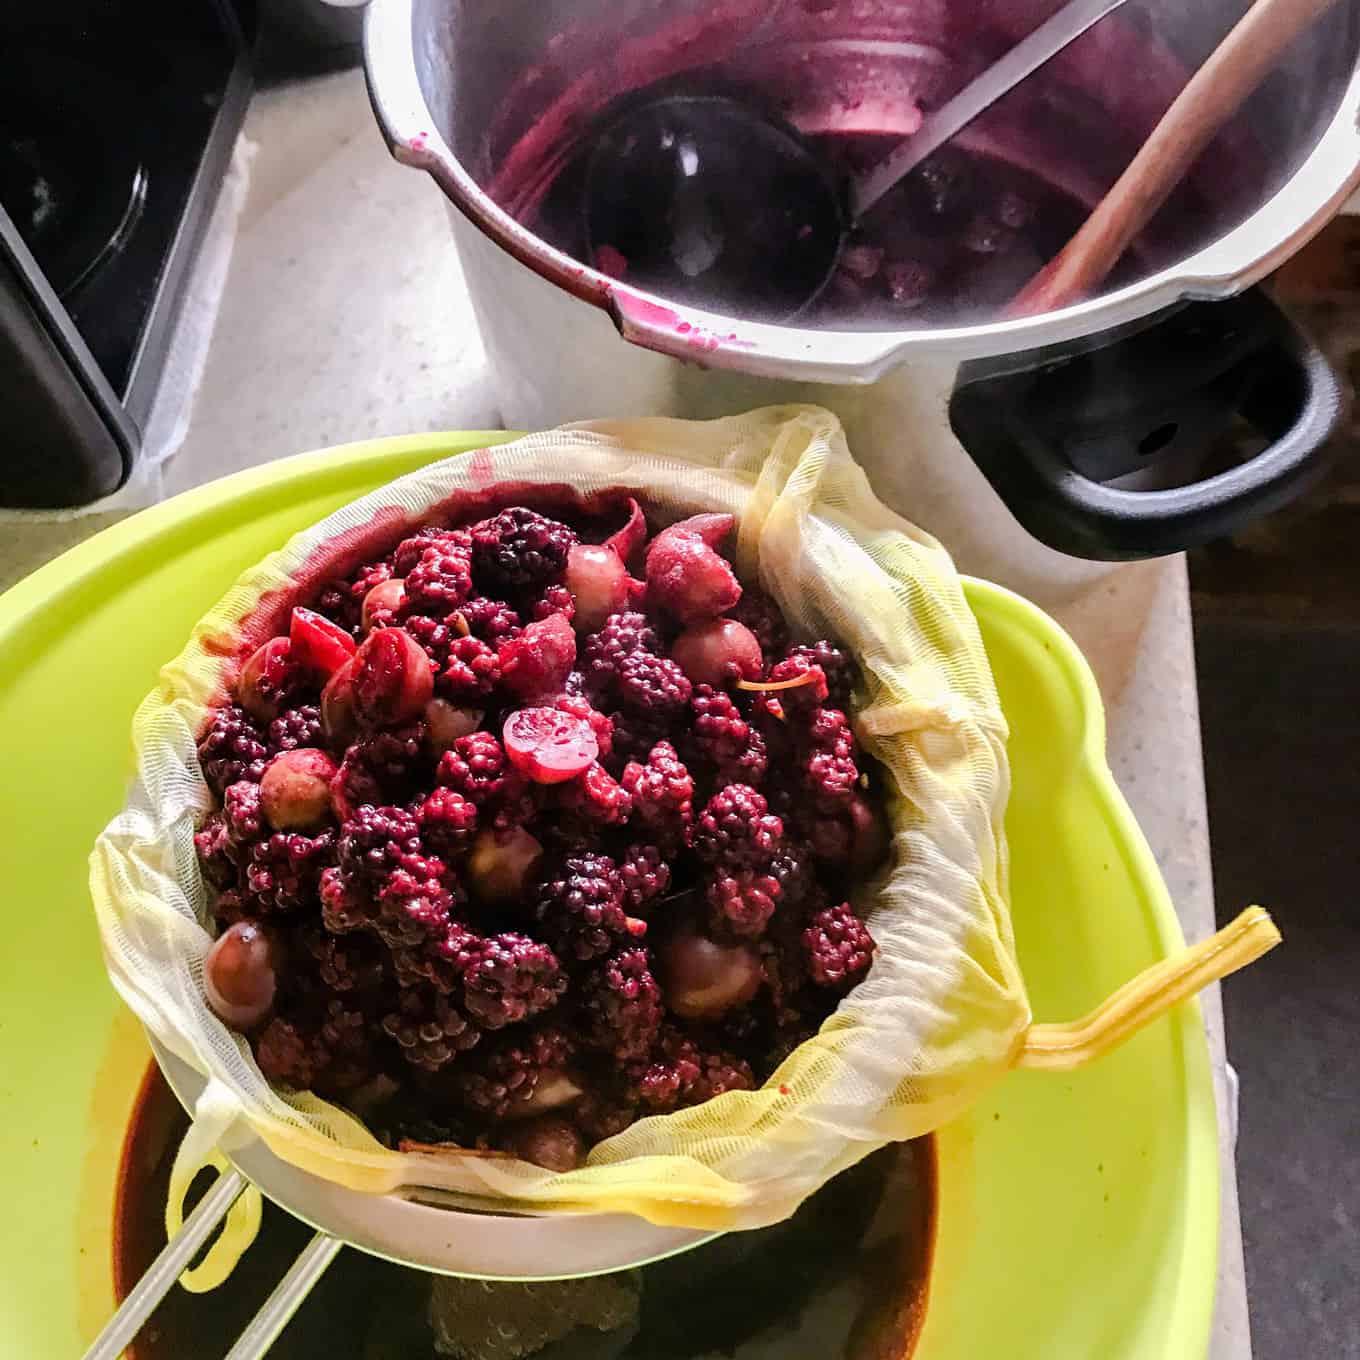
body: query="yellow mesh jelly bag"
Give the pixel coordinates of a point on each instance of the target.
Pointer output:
(942, 1012)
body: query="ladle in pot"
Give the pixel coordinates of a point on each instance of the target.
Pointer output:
(703, 197)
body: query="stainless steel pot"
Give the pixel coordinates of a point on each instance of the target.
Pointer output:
(1083, 424)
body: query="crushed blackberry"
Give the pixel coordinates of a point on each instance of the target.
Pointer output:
(579, 907)
(242, 811)
(505, 1073)
(663, 795)
(346, 903)
(440, 581)
(439, 960)
(375, 838)
(447, 821)
(472, 672)
(284, 871)
(412, 548)
(489, 619)
(836, 666)
(838, 946)
(216, 854)
(298, 727)
(621, 1009)
(645, 876)
(519, 550)
(414, 901)
(761, 615)
(429, 1029)
(349, 963)
(736, 828)
(556, 599)
(742, 901)
(596, 797)
(651, 685)
(622, 635)
(232, 748)
(511, 978)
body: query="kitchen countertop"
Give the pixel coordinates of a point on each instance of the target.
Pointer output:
(345, 317)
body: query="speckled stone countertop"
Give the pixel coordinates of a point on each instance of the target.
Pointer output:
(345, 317)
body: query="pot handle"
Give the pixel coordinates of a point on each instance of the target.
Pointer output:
(1124, 446)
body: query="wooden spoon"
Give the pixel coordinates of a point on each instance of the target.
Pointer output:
(1212, 95)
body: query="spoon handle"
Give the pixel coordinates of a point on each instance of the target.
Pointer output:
(1211, 96)
(1062, 27)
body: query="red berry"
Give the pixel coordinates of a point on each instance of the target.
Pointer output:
(393, 679)
(549, 746)
(598, 581)
(317, 644)
(702, 979)
(338, 719)
(295, 792)
(686, 576)
(538, 661)
(267, 679)
(239, 975)
(382, 604)
(718, 653)
(626, 541)
(551, 1141)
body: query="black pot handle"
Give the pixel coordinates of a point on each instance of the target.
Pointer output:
(1123, 446)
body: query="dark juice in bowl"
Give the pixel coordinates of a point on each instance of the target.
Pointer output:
(844, 1279)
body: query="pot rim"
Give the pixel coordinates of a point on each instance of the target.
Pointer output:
(1275, 231)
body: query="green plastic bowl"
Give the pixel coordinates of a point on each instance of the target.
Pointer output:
(1078, 1213)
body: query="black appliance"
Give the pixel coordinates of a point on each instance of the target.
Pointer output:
(117, 119)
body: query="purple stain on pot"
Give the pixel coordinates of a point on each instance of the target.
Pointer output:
(952, 244)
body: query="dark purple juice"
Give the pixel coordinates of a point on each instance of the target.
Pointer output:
(844, 1279)
(952, 243)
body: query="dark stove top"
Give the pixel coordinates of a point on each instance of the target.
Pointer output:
(106, 107)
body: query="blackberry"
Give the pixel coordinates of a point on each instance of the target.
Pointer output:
(838, 947)
(580, 907)
(436, 636)
(758, 612)
(621, 1005)
(284, 871)
(725, 740)
(556, 599)
(414, 902)
(602, 652)
(471, 674)
(742, 901)
(345, 901)
(488, 619)
(396, 756)
(663, 795)
(677, 1073)
(352, 963)
(216, 853)
(791, 868)
(477, 768)
(798, 698)
(441, 580)
(737, 829)
(828, 764)
(299, 727)
(344, 1037)
(447, 821)
(652, 685)
(242, 810)
(511, 978)
(596, 797)
(504, 1075)
(412, 548)
(645, 875)
(438, 961)
(836, 666)
(232, 748)
(429, 1029)
(520, 550)
(633, 737)
(290, 1055)
(374, 838)
(600, 724)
